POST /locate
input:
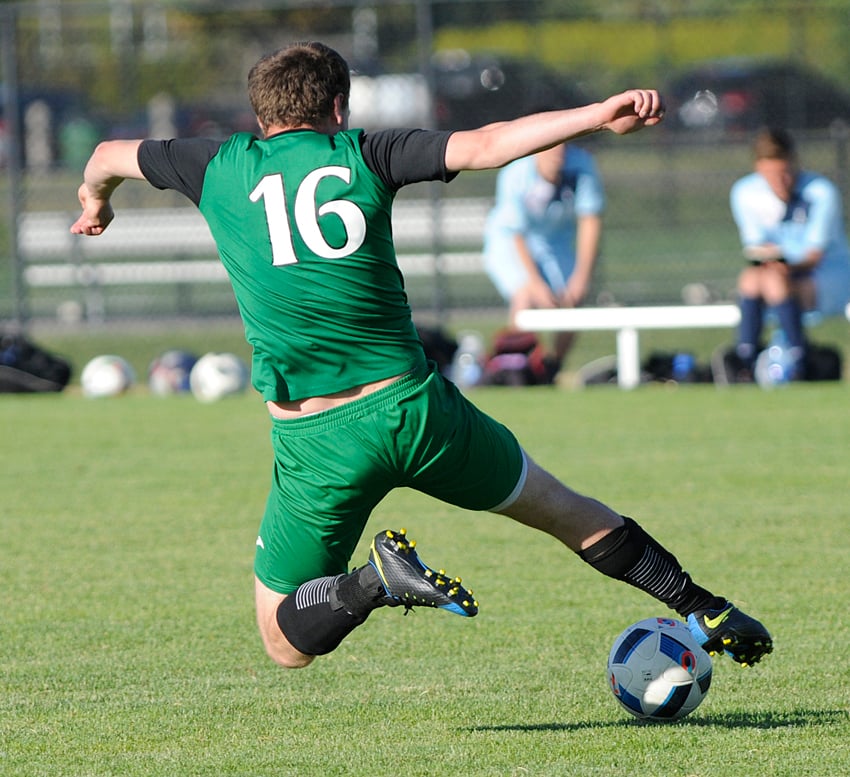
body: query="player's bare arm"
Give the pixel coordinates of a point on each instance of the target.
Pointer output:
(497, 144)
(110, 164)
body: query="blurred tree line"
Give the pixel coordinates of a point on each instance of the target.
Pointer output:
(120, 53)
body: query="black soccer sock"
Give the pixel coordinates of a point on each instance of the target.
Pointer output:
(791, 321)
(749, 330)
(629, 554)
(322, 612)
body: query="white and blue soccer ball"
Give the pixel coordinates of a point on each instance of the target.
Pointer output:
(107, 376)
(169, 372)
(657, 671)
(218, 375)
(775, 366)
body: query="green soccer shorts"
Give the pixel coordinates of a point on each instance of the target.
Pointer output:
(331, 469)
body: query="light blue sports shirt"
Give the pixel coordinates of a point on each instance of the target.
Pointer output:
(545, 214)
(812, 219)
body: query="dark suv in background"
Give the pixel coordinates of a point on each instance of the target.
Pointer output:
(750, 93)
(472, 90)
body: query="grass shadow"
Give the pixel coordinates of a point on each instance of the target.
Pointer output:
(754, 720)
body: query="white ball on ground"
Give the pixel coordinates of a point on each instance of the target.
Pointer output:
(106, 376)
(218, 375)
(657, 671)
(169, 372)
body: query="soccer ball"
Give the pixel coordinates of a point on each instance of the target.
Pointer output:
(106, 376)
(774, 367)
(657, 671)
(169, 373)
(218, 375)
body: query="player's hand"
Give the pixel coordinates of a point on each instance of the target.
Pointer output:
(97, 213)
(633, 110)
(540, 295)
(574, 292)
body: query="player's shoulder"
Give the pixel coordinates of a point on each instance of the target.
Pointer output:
(816, 184)
(749, 190)
(519, 168)
(579, 158)
(236, 145)
(749, 182)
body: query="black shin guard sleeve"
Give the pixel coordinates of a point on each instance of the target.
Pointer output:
(317, 629)
(629, 554)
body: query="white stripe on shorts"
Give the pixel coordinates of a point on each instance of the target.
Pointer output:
(520, 484)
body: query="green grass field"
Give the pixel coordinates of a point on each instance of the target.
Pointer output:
(128, 644)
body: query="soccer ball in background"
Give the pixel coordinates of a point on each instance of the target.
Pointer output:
(657, 671)
(106, 376)
(218, 375)
(777, 364)
(169, 373)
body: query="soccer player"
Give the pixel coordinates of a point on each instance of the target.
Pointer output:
(791, 226)
(542, 237)
(301, 218)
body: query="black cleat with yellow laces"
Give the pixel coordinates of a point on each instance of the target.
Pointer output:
(730, 631)
(409, 582)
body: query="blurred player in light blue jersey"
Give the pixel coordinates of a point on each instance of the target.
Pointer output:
(792, 231)
(542, 236)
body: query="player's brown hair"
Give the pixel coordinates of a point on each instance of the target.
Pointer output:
(297, 84)
(773, 143)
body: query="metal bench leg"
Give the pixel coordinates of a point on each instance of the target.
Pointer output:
(628, 358)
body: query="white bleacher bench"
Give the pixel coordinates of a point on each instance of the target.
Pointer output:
(180, 236)
(627, 322)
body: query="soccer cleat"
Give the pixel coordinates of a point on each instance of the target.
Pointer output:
(732, 632)
(409, 582)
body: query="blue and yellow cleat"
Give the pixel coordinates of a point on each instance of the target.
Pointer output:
(409, 582)
(732, 632)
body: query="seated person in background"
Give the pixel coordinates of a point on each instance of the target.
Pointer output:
(543, 233)
(792, 231)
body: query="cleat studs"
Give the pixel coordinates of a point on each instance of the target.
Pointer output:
(429, 573)
(442, 572)
(412, 544)
(402, 532)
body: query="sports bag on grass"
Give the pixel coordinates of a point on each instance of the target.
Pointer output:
(26, 368)
(518, 359)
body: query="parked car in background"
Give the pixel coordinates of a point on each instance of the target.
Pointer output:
(475, 89)
(740, 95)
(389, 100)
(469, 90)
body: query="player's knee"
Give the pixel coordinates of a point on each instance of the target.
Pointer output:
(279, 650)
(284, 655)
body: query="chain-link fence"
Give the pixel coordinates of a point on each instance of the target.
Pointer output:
(76, 72)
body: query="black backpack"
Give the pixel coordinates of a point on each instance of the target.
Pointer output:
(25, 368)
(823, 362)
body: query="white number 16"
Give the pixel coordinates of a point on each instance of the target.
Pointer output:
(271, 190)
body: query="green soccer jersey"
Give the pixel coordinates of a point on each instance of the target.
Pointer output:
(303, 227)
